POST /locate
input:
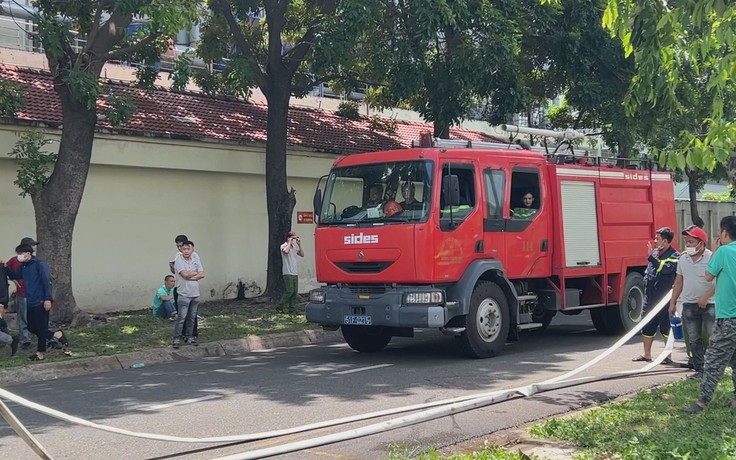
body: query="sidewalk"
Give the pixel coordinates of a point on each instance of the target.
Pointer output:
(97, 364)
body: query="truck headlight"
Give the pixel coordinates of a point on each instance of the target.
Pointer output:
(317, 296)
(434, 297)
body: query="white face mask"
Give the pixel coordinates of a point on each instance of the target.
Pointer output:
(21, 257)
(691, 251)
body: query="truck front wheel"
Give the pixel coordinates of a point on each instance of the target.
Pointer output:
(367, 339)
(487, 322)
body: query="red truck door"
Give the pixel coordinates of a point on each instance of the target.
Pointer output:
(460, 236)
(527, 229)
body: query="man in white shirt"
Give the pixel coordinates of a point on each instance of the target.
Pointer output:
(696, 293)
(188, 273)
(179, 240)
(291, 248)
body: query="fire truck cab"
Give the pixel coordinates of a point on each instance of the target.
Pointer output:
(482, 241)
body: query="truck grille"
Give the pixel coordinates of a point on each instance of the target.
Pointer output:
(375, 290)
(363, 267)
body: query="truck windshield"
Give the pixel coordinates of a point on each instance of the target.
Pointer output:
(379, 192)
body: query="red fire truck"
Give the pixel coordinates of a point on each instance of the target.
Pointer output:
(482, 241)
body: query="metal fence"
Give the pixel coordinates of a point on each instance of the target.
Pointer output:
(18, 33)
(710, 211)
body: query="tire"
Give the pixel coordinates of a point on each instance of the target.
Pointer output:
(628, 314)
(487, 322)
(367, 339)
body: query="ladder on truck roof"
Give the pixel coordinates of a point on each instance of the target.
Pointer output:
(563, 152)
(461, 144)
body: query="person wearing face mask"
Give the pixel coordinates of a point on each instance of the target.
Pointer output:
(659, 278)
(21, 307)
(696, 293)
(35, 274)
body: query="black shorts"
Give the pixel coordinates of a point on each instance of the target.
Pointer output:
(661, 321)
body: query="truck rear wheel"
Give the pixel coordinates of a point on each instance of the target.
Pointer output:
(367, 339)
(487, 322)
(614, 320)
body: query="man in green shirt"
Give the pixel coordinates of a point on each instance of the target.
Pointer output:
(163, 301)
(722, 350)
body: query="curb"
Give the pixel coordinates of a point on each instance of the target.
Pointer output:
(99, 364)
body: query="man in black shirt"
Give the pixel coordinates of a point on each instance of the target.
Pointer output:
(659, 278)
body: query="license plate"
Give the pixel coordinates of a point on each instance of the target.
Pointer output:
(361, 320)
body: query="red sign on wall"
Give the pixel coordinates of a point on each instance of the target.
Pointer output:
(304, 217)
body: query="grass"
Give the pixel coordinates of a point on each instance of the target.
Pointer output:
(396, 452)
(138, 330)
(652, 426)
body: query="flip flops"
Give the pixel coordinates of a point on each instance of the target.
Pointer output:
(642, 358)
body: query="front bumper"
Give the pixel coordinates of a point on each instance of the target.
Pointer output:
(384, 306)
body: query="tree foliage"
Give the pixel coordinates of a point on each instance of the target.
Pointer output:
(438, 57)
(12, 98)
(673, 42)
(35, 163)
(565, 50)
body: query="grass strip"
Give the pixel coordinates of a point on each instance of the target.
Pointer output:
(652, 426)
(116, 333)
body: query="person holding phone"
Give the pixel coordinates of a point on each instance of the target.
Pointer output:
(291, 248)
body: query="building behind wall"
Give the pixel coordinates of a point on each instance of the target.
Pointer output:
(185, 163)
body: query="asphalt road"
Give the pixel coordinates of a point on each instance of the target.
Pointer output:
(286, 387)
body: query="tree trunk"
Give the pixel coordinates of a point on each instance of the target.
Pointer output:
(280, 201)
(57, 204)
(731, 171)
(441, 129)
(692, 188)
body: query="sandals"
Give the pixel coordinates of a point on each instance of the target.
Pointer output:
(642, 358)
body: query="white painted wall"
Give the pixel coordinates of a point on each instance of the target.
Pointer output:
(142, 192)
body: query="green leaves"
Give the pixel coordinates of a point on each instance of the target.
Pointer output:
(11, 98)
(684, 49)
(119, 108)
(34, 164)
(84, 86)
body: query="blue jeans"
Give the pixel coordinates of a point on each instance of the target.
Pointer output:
(21, 309)
(166, 310)
(696, 320)
(187, 314)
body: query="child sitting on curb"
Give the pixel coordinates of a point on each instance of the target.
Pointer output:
(163, 301)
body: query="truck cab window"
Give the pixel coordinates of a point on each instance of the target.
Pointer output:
(394, 192)
(466, 186)
(526, 199)
(495, 185)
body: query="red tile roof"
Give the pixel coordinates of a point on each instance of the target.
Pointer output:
(197, 116)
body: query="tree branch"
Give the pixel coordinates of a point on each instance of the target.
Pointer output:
(95, 26)
(135, 47)
(243, 46)
(109, 34)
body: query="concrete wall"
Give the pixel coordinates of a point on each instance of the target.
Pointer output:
(710, 211)
(142, 192)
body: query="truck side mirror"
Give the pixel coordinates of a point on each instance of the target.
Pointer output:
(317, 201)
(451, 190)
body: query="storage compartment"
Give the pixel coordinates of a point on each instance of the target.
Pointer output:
(550, 300)
(580, 224)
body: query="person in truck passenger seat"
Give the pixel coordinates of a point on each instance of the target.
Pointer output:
(410, 202)
(528, 210)
(374, 195)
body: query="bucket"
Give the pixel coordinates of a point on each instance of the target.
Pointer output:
(676, 323)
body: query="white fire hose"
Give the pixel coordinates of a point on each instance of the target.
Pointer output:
(427, 411)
